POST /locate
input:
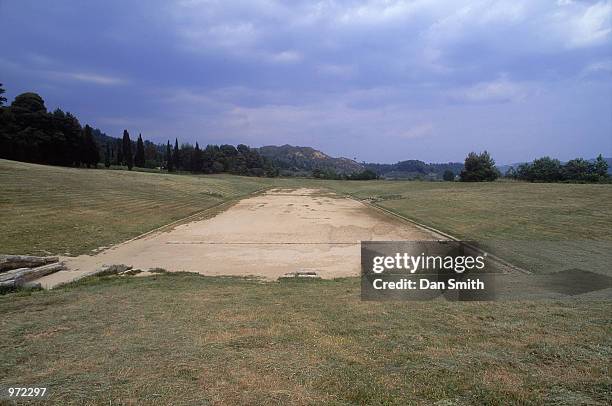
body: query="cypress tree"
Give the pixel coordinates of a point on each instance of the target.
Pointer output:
(107, 156)
(90, 155)
(119, 156)
(176, 155)
(196, 161)
(139, 158)
(2, 98)
(72, 132)
(169, 163)
(127, 150)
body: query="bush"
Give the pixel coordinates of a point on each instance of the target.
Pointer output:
(546, 169)
(365, 175)
(479, 168)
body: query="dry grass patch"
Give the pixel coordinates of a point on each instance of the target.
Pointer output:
(46, 209)
(184, 339)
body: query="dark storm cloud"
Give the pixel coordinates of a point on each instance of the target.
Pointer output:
(376, 80)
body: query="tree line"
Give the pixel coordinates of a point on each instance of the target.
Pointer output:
(366, 174)
(239, 160)
(415, 169)
(481, 167)
(30, 133)
(547, 169)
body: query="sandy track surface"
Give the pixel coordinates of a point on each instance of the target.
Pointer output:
(266, 235)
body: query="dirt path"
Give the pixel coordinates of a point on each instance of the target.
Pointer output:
(266, 235)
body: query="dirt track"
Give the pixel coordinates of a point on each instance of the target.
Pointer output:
(266, 235)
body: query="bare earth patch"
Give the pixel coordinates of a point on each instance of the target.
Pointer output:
(267, 235)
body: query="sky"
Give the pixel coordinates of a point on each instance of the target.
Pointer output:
(375, 80)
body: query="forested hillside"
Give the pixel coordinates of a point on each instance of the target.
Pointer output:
(304, 160)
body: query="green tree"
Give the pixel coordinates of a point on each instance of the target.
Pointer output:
(546, 169)
(367, 174)
(448, 175)
(107, 156)
(575, 170)
(217, 167)
(90, 153)
(479, 168)
(601, 167)
(176, 156)
(153, 158)
(196, 160)
(139, 158)
(67, 139)
(33, 134)
(2, 98)
(28, 103)
(128, 157)
(169, 160)
(119, 154)
(524, 172)
(186, 154)
(73, 134)
(7, 131)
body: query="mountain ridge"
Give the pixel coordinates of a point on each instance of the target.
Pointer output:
(303, 160)
(299, 159)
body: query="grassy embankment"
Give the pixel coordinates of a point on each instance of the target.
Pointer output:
(188, 339)
(185, 339)
(541, 226)
(46, 209)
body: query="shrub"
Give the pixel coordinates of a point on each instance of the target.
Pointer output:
(479, 168)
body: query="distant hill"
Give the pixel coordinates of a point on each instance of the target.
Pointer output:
(303, 160)
(414, 169)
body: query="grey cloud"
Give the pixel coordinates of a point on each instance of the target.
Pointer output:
(378, 80)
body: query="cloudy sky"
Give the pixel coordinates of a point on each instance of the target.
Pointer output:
(376, 80)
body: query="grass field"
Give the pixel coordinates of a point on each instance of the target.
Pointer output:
(58, 210)
(46, 209)
(541, 226)
(497, 210)
(189, 339)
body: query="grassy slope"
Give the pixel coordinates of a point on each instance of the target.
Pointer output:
(498, 210)
(542, 227)
(187, 339)
(59, 210)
